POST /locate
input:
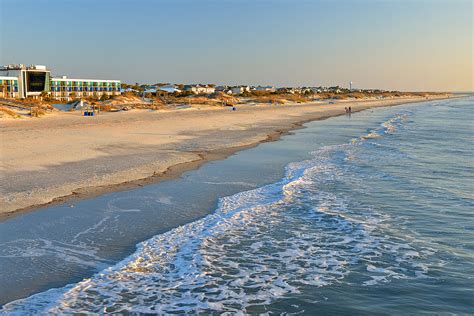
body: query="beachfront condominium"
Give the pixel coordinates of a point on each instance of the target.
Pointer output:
(34, 81)
(67, 89)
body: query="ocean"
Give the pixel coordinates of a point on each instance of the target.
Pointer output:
(370, 213)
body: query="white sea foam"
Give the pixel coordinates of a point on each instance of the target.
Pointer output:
(240, 183)
(259, 246)
(66, 252)
(388, 127)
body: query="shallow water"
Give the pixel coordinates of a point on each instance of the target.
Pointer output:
(364, 214)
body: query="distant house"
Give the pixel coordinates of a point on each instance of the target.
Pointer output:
(199, 89)
(239, 89)
(305, 90)
(246, 88)
(149, 90)
(236, 90)
(170, 88)
(129, 90)
(335, 89)
(265, 88)
(290, 90)
(188, 88)
(208, 89)
(221, 89)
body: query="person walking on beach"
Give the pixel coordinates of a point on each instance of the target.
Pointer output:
(350, 110)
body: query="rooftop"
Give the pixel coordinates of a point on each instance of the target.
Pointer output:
(24, 67)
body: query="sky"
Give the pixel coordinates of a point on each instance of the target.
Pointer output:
(418, 45)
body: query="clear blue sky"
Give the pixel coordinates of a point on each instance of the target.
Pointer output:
(405, 45)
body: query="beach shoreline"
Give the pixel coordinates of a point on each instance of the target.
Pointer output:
(36, 173)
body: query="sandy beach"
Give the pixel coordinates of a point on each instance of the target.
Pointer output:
(64, 156)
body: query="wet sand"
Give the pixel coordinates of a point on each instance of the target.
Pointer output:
(65, 157)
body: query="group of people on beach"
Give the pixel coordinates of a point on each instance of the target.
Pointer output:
(348, 110)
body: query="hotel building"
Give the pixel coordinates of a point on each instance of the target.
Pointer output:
(67, 89)
(32, 81)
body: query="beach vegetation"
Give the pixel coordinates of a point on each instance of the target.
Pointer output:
(105, 107)
(280, 97)
(104, 97)
(5, 112)
(37, 111)
(92, 98)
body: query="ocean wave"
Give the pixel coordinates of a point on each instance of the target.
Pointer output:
(388, 127)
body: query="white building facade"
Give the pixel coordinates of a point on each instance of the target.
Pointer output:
(22, 81)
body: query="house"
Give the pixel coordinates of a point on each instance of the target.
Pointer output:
(246, 88)
(199, 89)
(170, 88)
(306, 90)
(236, 90)
(149, 89)
(239, 89)
(265, 88)
(224, 89)
(129, 90)
(335, 89)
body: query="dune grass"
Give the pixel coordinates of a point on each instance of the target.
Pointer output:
(6, 112)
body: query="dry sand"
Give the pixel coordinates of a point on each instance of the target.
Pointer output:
(65, 156)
